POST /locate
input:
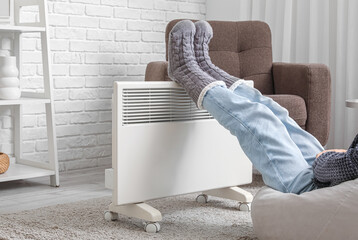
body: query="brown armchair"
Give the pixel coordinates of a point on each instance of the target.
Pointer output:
(244, 50)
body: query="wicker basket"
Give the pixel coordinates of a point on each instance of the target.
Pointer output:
(4, 162)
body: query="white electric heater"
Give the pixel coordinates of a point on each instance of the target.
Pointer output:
(163, 145)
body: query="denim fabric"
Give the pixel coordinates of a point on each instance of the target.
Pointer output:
(306, 142)
(266, 137)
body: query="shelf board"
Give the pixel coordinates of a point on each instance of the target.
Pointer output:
(24, 29)
(24, 100)
(20, 171)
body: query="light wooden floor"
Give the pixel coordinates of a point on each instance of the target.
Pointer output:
(34, 193)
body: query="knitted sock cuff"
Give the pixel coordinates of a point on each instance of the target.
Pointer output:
(239, 82)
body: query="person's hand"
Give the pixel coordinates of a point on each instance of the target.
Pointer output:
(331, 150)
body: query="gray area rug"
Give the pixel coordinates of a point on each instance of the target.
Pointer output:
(183, 218)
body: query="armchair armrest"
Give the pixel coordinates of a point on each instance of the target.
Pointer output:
(313, 83)
(157, 71)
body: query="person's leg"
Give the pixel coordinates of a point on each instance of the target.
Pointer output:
(306, 142)
(261, 134)
(263, 138)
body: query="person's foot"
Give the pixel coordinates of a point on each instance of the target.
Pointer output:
(182, 66)
(335, 166)
(203, 35)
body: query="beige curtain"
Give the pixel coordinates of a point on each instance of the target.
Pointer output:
(310, 31)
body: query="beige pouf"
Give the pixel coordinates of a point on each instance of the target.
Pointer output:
(327, 213)
(4, 162)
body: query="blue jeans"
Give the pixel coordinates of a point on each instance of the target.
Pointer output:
(278, 148)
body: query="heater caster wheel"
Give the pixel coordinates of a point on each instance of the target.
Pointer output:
(245, 207)
(110, 216)
(202, 198)
(152, 227)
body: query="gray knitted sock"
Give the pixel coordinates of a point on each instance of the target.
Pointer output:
(183, 68)
(203, 35)
(332, 168)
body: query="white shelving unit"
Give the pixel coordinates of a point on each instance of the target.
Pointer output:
(21, 29)
(26, 168)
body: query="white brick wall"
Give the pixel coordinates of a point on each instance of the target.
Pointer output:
(93, 42)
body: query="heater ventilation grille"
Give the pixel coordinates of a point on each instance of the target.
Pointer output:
(152, 105)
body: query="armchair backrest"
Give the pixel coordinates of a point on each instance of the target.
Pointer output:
(242, 49)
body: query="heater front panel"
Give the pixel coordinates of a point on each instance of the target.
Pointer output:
(173, 155)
